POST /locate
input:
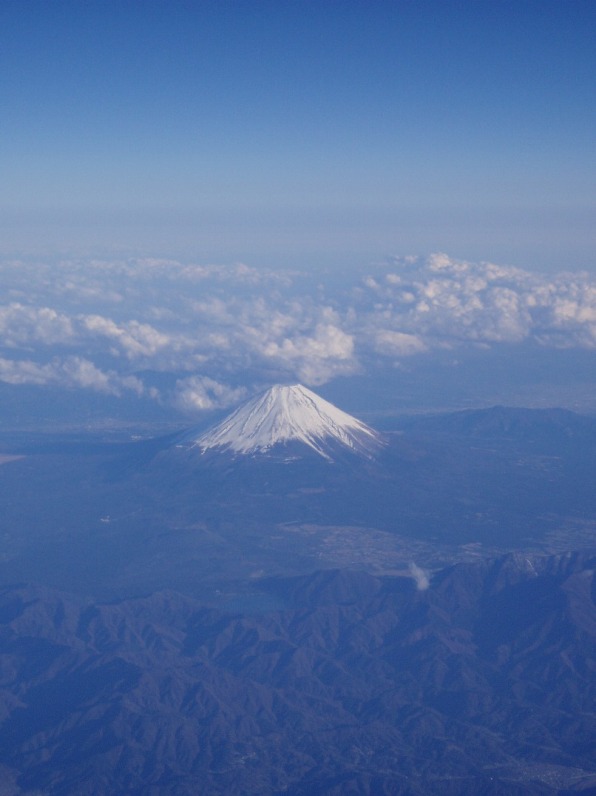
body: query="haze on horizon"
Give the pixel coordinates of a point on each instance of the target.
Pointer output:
(294, 134)
(392, 202)
(343, 586)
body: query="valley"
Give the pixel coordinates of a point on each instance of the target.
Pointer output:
(119, 519)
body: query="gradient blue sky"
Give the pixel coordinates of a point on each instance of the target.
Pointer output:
(288, 133)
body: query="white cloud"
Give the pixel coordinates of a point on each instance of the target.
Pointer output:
(133, 338)
(90, 322)
(444, 301)
(25, 372)
(21, 325)
(398, 343)
(72, 372)
(201, 392)
(420, 576)
(315, 358)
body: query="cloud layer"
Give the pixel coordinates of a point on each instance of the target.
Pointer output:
(217, 330)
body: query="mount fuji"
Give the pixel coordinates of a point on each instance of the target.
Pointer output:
(288, 419)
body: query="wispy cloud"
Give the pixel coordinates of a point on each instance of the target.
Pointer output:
(420, 576)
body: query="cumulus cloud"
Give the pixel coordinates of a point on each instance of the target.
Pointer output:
(93, 322)
(441, 301)
(136, 340)
(71, 372)
(22, 325)
(25, 372)
(317, 357)
(201, 392)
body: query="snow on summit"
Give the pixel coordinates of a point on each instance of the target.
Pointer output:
(285, 414)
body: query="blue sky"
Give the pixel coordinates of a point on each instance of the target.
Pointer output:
(286, 133)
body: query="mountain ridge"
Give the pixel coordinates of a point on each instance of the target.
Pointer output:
(358, 684)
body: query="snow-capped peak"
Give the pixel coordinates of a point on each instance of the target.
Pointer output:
(283, 415)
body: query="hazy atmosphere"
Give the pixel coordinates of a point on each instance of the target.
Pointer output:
(297, 397)
(299, 133)
(201, 198)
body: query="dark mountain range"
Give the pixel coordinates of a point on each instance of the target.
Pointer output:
(539, 426)
(237, 611)
(481, 683)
